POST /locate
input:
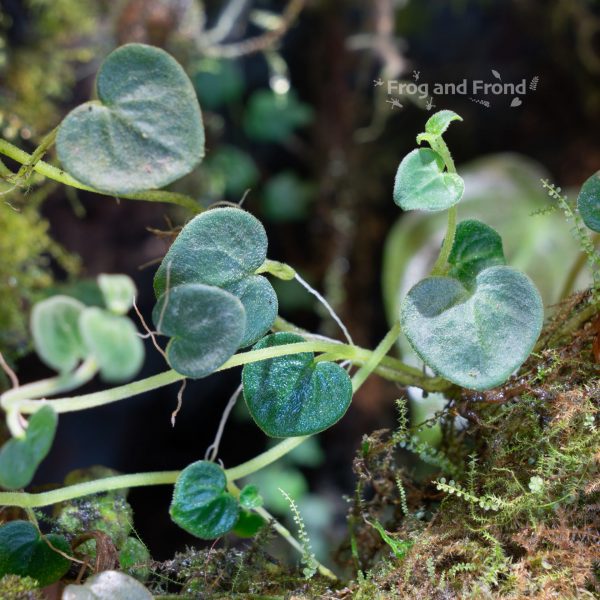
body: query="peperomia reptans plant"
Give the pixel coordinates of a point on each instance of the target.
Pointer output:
(473, 321)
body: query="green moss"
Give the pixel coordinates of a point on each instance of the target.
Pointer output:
(13, 587)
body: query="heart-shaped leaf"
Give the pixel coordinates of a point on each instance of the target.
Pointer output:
(206, 325)
(223, 248)
(475, 338)
(118, 292)
(144, 132)
(201, 503)
(294, 395)
(422, 184)
(476, 247)
(25, 553)
(20, 458)
(114, 342)
(108, 585)
(438, 123)
(218, 247)
(55, 330)
(260, 303)
(588, 202)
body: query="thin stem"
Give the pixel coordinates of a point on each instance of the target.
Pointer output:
(440, 266)
(327, 306)
(265, 459)
(71, 492)
(376, 357)
(61, 176)
(389, 368)
(213, 450)
(575, 270)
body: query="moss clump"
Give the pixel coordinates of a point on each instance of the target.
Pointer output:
(13, 587)
(517, 516)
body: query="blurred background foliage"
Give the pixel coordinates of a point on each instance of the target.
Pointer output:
(296, 129)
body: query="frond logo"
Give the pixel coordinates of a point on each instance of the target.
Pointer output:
(477, 90)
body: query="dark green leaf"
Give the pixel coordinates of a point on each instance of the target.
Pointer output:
(476, 338)
(248, 525)
(206, 325)
(422, 184)
(218, 247)
(114, 343)
(476, 247)
(260, 303)
(201, 504)
(20, 458)
(588, 202)
(145, 131)
(272, 117)
(233, 172)
(286, 197)
(25, 553)
(440, 121)
(294, 395)
(218, 82)
(55, 330)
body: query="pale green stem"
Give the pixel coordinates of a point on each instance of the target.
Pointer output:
(61, 176)
(440, 267)
(389, 367)
(266, 458)
(376, 357)
(11, 400)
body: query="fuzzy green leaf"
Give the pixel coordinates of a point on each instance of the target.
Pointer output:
(294, 395)
(25, 553)
(260, 303)
(223, 248)
(55, 330)
(588, 202)
(218, 247)
(476, 338)
(438, 123)
(20, 458)
(118, 291)
(422, 184)
(114, 342)
(108, 585)
(145, 131)
(201, 503)
(206, 325)
(476, 247)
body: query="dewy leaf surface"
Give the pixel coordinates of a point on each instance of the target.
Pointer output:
(588, 202)
(474, 339)
(223, 248)
(294, 395)
(206, 325)
(422, 184)
(114, 343)
(476, 247)
(55, 330)
(145, 131)
(25, 553)
(20, 458)
(201, 503)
